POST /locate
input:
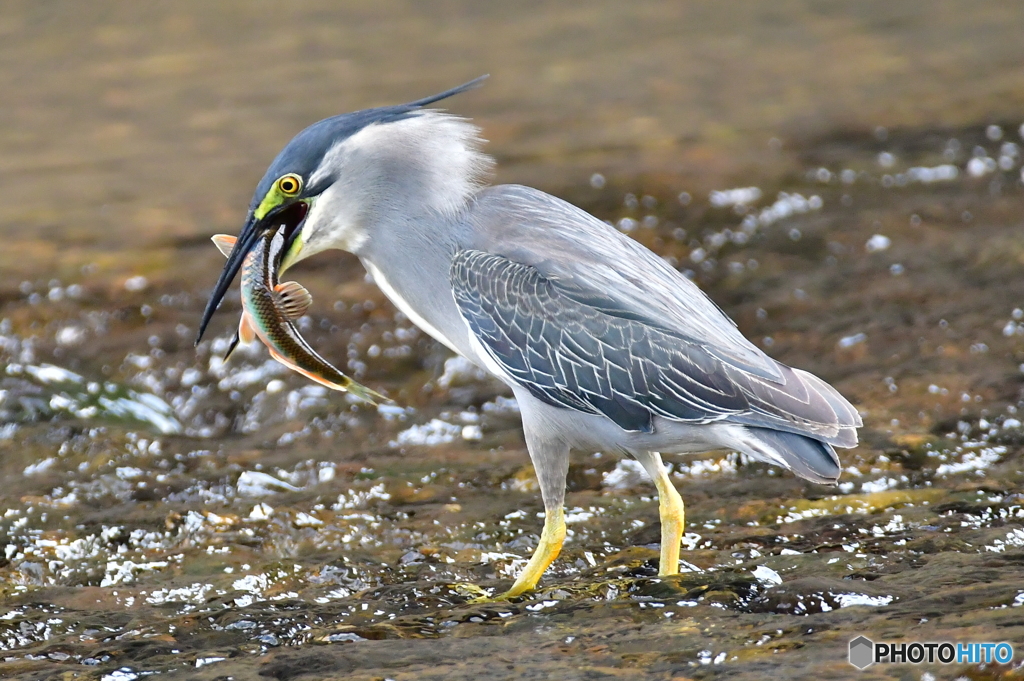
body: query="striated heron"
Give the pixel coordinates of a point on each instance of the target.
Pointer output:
(604, 344)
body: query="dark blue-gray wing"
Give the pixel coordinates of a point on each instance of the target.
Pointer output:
(578, 356)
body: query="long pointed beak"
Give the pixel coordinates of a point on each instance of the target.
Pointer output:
(246, 240)
(289, 218)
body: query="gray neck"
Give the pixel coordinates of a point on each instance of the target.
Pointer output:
(399, 192)
(411, 262)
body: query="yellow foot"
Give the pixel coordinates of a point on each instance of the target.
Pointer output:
(551, 540)
(673, 520)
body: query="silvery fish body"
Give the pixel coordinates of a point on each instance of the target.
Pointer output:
(269, 310)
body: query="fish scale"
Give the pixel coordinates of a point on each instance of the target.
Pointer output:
(268, 316)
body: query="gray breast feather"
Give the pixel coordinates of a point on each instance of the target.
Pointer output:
(602, 360)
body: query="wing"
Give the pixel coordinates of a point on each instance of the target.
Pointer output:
(588, 319)
(598, 266)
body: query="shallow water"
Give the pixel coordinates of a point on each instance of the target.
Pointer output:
(168, 514)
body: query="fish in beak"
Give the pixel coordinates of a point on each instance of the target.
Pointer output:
(287, 219)
(270, 310)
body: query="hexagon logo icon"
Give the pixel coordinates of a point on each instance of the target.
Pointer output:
(862, 652)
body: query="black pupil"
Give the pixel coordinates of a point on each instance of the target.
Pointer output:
(288, 185)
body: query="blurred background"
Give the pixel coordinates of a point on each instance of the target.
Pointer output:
(128, 125)
(843, 178)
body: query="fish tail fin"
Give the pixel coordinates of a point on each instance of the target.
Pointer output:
(343, 383)
(366, 394)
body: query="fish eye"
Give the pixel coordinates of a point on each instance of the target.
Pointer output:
(289, 184)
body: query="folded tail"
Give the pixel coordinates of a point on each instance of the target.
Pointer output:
(809, 458)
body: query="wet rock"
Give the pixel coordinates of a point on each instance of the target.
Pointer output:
(810, 595)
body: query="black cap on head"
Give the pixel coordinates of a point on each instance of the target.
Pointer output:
(301, 156)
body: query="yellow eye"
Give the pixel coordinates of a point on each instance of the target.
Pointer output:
(289, 185)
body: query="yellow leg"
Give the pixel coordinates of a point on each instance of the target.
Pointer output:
(551, 540)
(673, 520)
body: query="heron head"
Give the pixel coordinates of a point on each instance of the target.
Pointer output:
(327, 184)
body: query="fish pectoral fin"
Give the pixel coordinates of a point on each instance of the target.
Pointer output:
(225, 243)
(246, 331)
(292, 299)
